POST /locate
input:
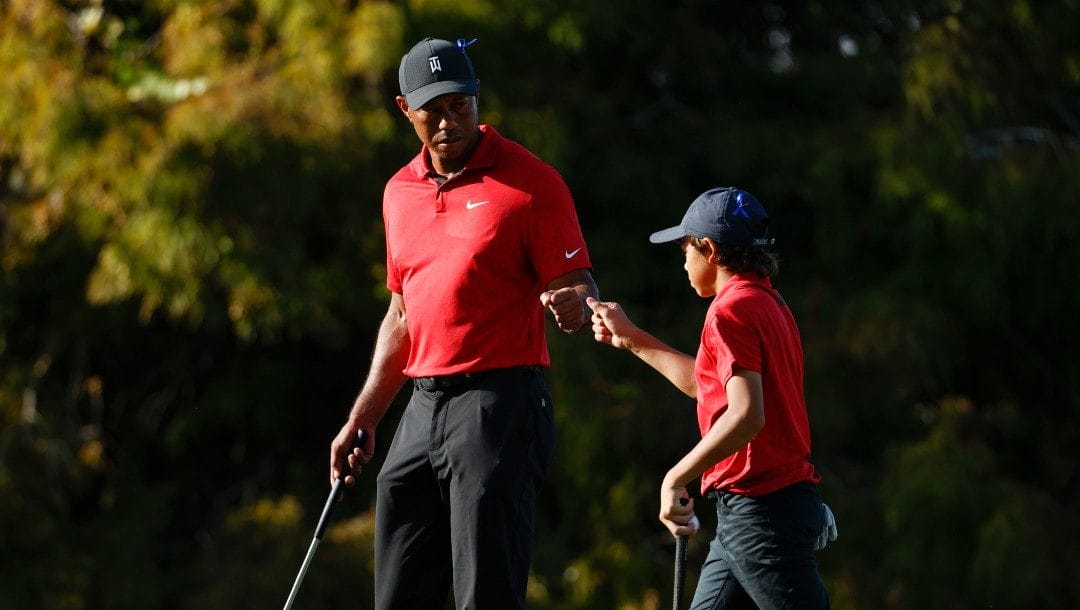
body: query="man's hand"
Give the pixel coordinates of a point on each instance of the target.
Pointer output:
(567, 307)
(342, 452)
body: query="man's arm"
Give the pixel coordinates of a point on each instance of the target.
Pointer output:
(383, 382)
(565, 298)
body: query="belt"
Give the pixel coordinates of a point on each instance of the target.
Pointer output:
(444, 382)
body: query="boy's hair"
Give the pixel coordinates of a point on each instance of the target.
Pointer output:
(739, 259)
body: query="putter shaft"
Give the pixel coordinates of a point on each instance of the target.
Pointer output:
(324, 520)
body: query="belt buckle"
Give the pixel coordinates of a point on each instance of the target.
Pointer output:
(430, 384)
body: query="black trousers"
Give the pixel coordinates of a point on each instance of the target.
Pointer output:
(457, 493)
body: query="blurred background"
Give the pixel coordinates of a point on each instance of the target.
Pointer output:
(191, 276)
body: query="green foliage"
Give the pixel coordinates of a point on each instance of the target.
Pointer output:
(936, 495)
(191, 279)
(1031, 525)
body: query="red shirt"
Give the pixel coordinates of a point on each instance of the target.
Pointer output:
(748, 326)
(470, 258)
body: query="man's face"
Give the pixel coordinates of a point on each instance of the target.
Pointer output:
(447, 126)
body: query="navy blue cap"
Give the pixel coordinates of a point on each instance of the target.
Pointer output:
(435, 67)
(726, 215)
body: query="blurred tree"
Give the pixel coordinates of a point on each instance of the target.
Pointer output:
(191, 279)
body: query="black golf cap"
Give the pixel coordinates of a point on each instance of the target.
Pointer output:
(726, 215)
(434, 67)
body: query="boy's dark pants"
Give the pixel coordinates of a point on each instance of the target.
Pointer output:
(762, 556)
(456, 494)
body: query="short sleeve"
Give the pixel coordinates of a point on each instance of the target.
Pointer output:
(737, 344)
(555, 241)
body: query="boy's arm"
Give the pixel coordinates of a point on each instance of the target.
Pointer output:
(736, 426)
(612, 326)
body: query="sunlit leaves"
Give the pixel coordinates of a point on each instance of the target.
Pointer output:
(374, 40)
(934, 77)
(476, 10)
(116, 157)
(158, 256)
(191, 272)
(565, 32)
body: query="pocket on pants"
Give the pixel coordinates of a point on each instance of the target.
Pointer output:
(779, 524)
(542, 416)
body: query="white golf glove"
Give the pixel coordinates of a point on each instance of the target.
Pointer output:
(829, 531)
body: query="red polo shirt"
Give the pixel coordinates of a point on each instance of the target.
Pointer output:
(748, 326)
(470, 258)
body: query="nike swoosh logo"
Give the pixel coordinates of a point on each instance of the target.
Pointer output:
(470, 205)
(571, 254)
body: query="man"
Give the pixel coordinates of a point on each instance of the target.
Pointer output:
(477, 230)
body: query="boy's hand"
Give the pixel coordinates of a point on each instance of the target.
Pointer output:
(677, 511)
(611, 324)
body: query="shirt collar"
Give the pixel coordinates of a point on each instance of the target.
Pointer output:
(748, 277)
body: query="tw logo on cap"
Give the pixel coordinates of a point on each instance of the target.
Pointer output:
(433, 63)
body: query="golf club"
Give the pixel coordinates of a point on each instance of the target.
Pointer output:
(361, 436)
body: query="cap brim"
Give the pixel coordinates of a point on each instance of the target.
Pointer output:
(666, 235)
(425, 94)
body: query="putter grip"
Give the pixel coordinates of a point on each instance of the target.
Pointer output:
(324, 519)
(680, 570)
(680, 564)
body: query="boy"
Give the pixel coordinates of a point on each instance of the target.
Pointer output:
(753, 458)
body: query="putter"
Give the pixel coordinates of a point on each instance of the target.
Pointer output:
(361, 436)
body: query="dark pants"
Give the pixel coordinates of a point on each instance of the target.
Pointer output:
(763, 554)
(456, 494)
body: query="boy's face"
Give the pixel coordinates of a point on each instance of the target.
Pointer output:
(700, 270)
